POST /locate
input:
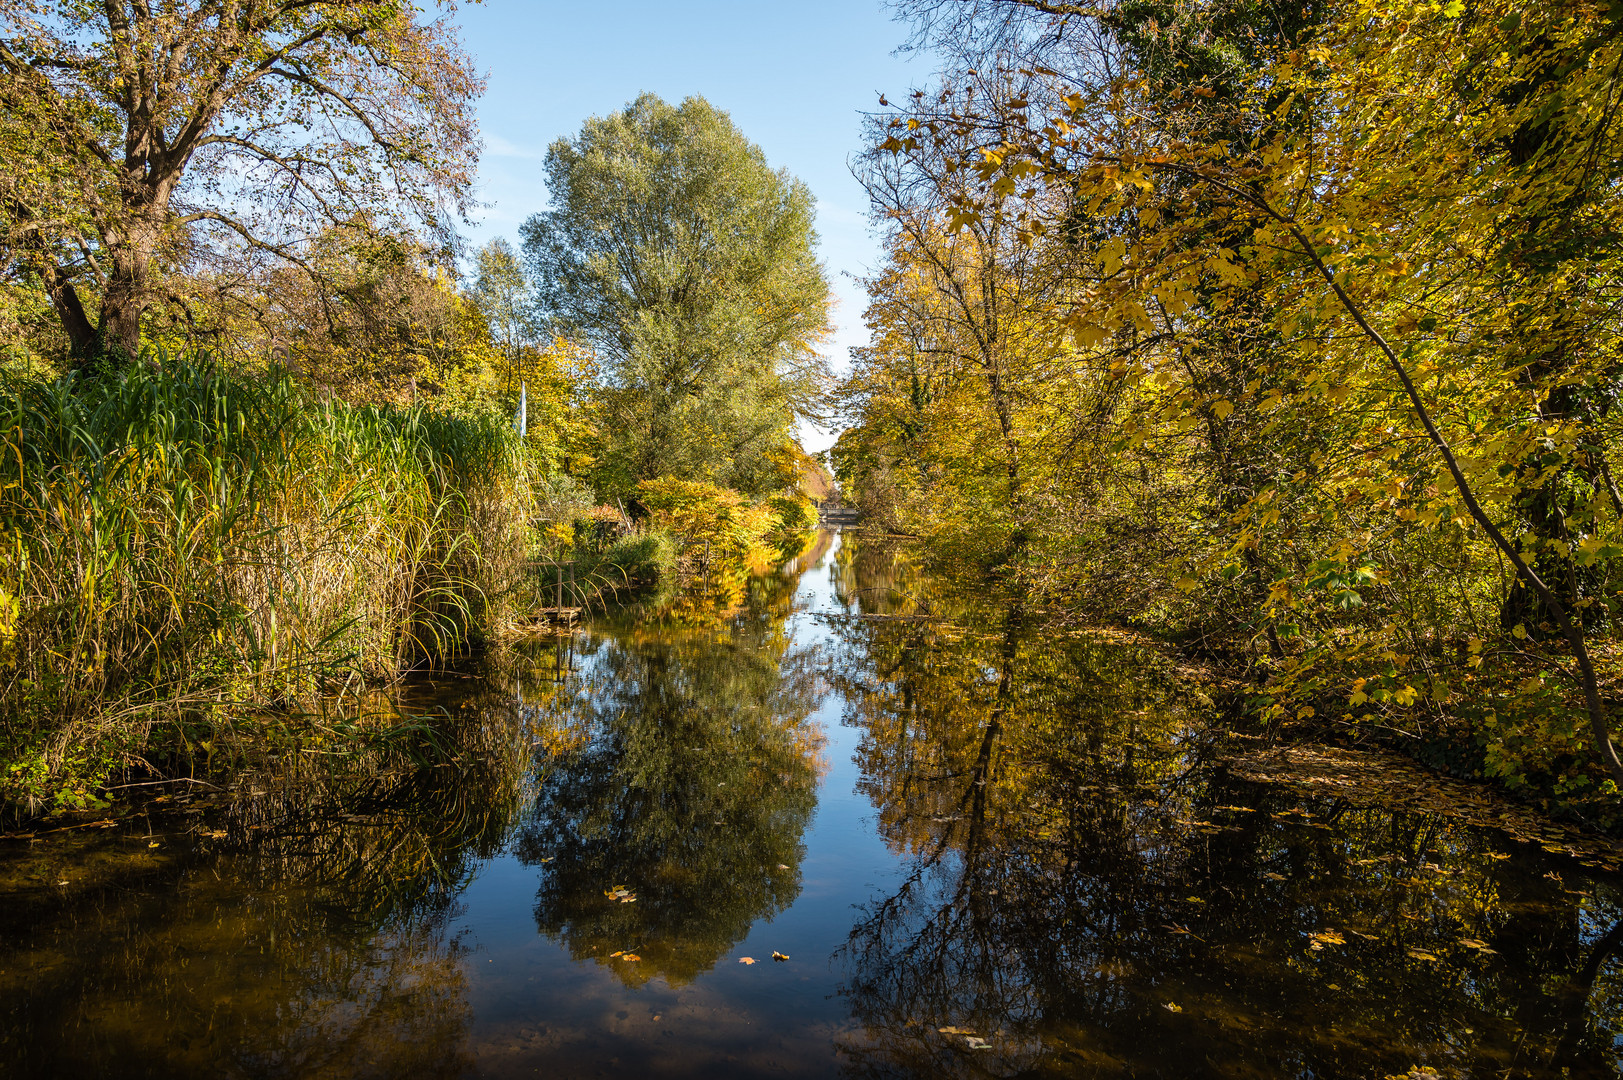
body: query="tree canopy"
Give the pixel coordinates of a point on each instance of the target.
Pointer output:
(689, 265)
(223, 136)
(1319, 355)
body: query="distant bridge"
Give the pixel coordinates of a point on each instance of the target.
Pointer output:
(838, 516)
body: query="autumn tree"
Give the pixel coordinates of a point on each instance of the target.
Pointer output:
(218, 132)
(690, 267)
(1411, 202)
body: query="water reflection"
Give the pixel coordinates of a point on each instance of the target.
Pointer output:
(1086, 895)
(684, 773)
(302, 929)
(995, 848)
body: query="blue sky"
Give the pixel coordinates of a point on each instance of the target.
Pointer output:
(794, 77)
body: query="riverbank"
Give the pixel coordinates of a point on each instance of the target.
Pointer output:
(199, 568)
(190, 556)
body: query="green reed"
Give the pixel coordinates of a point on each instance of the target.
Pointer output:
(179, 541)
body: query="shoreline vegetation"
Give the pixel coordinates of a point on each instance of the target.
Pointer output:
(196, 561)
(1173, 328)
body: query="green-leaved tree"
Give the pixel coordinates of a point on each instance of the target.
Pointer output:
(689, 265)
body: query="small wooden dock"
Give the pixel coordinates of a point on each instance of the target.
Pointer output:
(559, 616)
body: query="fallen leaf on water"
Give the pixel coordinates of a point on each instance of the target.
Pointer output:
(975, 1042)
(1328, 937)
(1172, 1007)
(1420, 954)
(954, 1031)
(746, 959)
(153, 844)
(631, 957)
(1181, 930)
(618, 952)
(1274, 877)
(779, 955)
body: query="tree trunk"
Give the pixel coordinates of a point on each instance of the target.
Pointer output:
(125, 298)
(82, 336)
(120, 330)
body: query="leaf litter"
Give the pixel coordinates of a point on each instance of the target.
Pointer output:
(1388, 781)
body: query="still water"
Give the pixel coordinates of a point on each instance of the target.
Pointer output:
(984, 848)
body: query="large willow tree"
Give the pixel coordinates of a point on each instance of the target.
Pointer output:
(689, 265)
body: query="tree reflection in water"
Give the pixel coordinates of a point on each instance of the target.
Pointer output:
(1090, 896)
(683, 768)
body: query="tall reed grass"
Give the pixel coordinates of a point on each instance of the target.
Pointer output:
(176, 543)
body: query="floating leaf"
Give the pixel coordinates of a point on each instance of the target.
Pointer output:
(746, 959)
(1420, 954)
(779, 955)
(1171, 1006)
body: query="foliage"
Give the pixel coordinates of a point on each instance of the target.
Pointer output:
(195, 136)
(792, 515)
(723, 522)
(1324, 348)
(500, 291)
(688, 266)
(177, 542)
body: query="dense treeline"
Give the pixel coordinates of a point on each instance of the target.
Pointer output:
(1288, 327)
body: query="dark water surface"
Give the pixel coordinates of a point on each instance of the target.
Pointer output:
(987, 848)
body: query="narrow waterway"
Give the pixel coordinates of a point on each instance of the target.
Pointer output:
(848, 824)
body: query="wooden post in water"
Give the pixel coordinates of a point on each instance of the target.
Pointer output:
(560, 594)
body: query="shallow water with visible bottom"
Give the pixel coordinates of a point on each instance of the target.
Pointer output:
(981, 846)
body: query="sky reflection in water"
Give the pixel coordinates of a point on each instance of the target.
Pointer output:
(987, 848)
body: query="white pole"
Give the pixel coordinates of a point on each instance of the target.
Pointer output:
(523, 410)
